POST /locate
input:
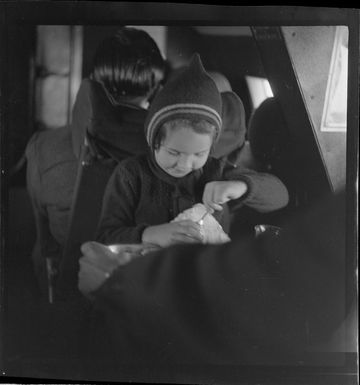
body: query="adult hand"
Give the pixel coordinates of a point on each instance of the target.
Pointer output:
(219, 192)
(175, 232)
(97, 264)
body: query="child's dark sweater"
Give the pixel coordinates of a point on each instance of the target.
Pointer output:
(140, 194)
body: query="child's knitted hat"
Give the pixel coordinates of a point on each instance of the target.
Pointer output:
(192, 93)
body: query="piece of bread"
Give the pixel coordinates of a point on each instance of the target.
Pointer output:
(211, 229)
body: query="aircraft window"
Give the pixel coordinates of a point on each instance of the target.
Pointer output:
(320, 60)
(335, 107)
(259, 89)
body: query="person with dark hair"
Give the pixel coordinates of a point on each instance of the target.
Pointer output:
(129, 66)
(146, 192)
(108, 114)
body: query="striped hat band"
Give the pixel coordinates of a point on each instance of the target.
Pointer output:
(178, 109)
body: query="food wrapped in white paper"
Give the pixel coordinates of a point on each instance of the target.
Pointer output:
(211, 229)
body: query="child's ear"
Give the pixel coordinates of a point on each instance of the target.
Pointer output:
(156, 146)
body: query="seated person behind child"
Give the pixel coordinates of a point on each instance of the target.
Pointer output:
(122, 86)
(146, 192)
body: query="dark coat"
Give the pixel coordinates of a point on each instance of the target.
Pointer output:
(208, 309)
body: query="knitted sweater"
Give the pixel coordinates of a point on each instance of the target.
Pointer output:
(139, 194)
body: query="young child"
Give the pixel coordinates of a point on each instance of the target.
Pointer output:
(146, 192)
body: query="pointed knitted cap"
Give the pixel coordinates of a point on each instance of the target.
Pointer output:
(192, 93)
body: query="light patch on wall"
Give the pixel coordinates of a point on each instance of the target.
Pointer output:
(335, 106)
(76, 57)
(157, 32)
(259, 89)
(59, 66)
(52, 103)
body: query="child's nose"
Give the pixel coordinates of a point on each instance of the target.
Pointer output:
(185, 162)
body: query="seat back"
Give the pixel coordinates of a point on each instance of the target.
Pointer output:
(269, 137)
(272, 147)
(92, 177)
(271, 142)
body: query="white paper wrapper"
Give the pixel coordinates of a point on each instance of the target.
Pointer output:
(211, 228)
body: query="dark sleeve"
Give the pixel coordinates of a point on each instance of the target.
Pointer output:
(265, 193)
(230, 304)
(117, 222)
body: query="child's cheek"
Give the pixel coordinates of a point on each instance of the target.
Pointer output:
(170, 162)
(200, 162)
(165, 160)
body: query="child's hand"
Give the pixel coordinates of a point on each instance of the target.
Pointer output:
(176, 232)
(217, 193)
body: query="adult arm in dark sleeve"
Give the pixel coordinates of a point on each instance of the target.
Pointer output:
(265, 192)
(117, 222)
(230, 304)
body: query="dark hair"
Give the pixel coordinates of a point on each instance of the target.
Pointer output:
(128, 64)
(198, 125)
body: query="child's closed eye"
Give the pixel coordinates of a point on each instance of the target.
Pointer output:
(201, 154)
(172, 152)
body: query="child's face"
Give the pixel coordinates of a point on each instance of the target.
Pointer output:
(183, 151)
